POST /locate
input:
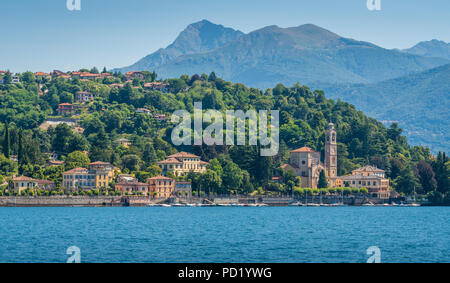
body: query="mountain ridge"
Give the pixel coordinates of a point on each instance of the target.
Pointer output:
(190, 40)
(431, 48)
(419, 102)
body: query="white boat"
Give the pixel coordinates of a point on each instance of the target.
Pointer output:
(368, 204)
(336, 204)
(410, 204)
(313, 204)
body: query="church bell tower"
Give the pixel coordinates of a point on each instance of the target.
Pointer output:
(331, 151)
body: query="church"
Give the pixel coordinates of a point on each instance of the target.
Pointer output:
(306, 164)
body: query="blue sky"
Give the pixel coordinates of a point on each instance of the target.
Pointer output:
(42, 35)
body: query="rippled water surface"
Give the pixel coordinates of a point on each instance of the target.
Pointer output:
(225, 234)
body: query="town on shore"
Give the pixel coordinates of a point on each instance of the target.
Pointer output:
(87, 135)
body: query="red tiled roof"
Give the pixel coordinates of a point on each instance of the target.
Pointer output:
(76, 170)
(160, 178)
(38, 74)
(23, 178)
(284, 166)
(184, 154)
(170, 160)
(304, 149)
(99, 163)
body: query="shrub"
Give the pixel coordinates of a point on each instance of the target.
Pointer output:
(347, 191)
(363, 190)
(299, 191)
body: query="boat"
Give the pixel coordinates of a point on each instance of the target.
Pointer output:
(368, 204)
(178, 205)
(313, 204)
(409, 204)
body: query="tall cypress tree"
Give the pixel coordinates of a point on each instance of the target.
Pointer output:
(323, 183)
(20, 150)
(6, 142)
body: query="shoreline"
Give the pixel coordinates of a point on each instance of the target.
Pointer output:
(141, 201)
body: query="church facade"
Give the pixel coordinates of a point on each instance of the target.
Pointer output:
(306, 164)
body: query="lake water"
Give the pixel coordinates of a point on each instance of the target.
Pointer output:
(225, 234)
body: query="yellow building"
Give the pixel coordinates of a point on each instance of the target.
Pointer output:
(161, 186)
(123, 142)
(99, 174)
(182, 163)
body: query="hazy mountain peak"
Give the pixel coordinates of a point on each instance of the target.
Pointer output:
(203, 36)
(195, 38)
(431, 48)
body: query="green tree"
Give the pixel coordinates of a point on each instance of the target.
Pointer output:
(6, 142)
(7, 78)
(77, 159)
(232, 176)
(323, 182)
(210, 181)
(406, 182)
(424, 172)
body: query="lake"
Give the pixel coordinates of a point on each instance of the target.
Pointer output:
(225, 234)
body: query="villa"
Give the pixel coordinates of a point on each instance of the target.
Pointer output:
(21, 183)
(137, 75)
(84, 96)
(99, 174)
(163, 87)
(182, 163)
(143, 110)
(369, 177)
(65, 109)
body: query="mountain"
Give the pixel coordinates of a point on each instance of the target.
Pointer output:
(197, 37)
(432, 48)
(270, 55)
(419, 102)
